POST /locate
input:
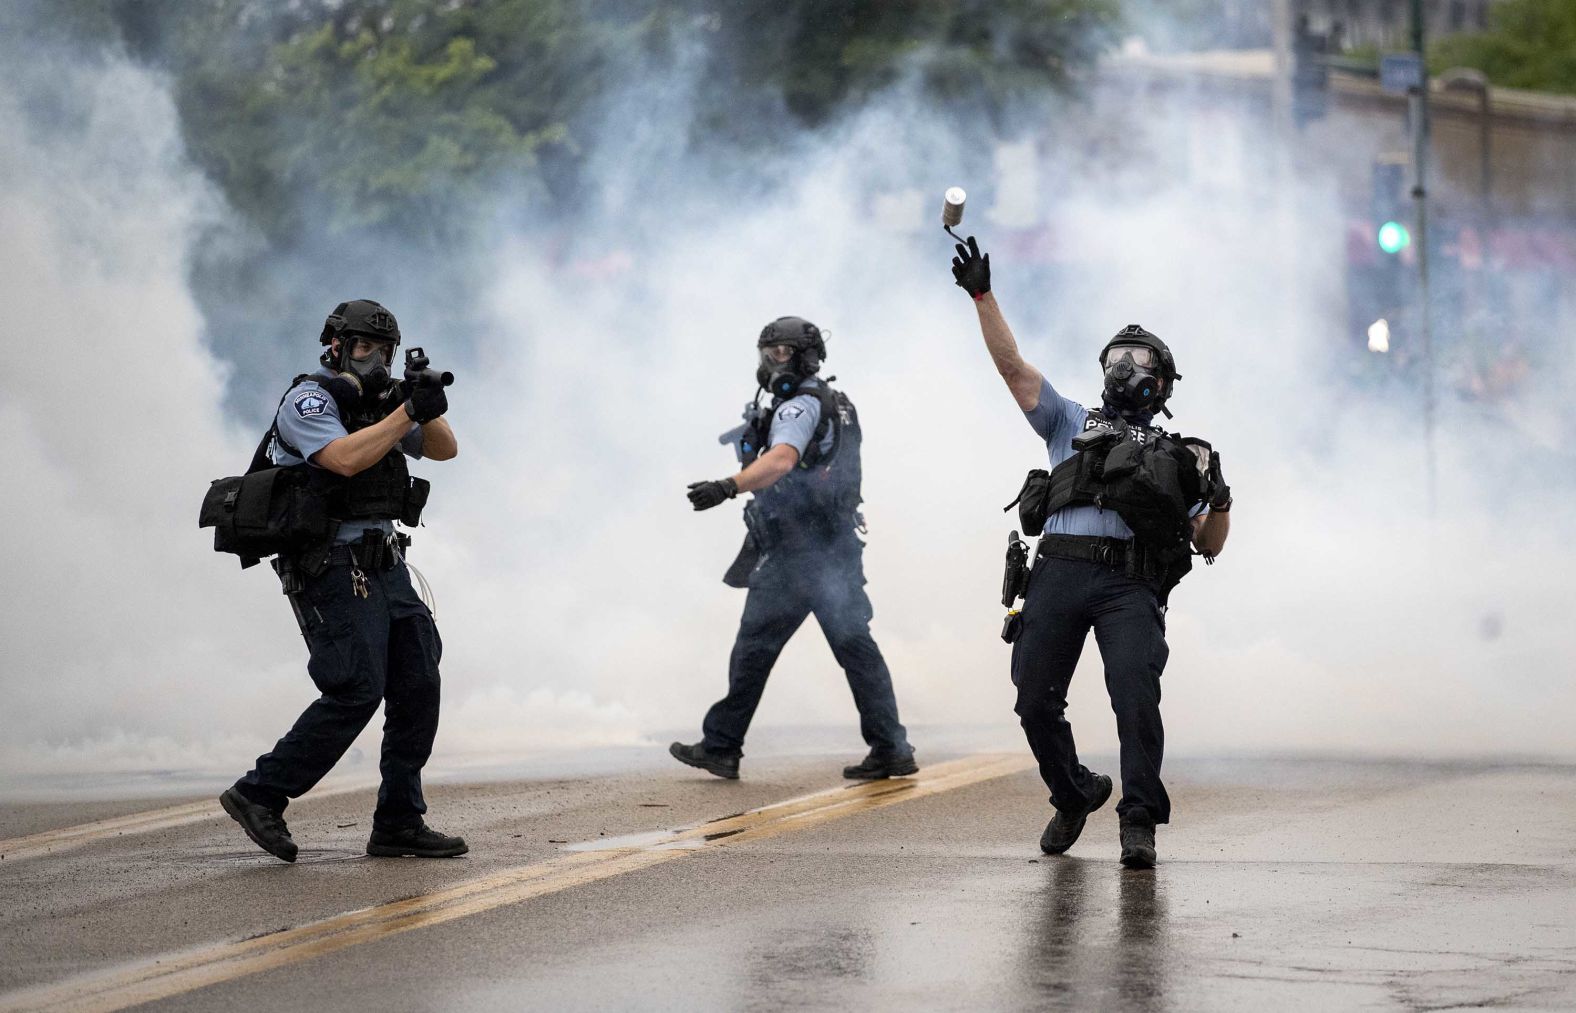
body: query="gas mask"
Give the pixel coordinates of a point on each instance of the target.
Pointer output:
(783, 368)
(1132, 378)
(791, 350)
(372, 371)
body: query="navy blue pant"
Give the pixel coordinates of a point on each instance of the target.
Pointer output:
(783, 593)
(382, 649)
(1066, 598)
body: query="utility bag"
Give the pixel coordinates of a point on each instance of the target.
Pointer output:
(264, 512)
(268, 510)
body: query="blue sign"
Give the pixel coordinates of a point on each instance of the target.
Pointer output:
(1401, 72)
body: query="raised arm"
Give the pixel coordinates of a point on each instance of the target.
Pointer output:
(1022, 379)
(972, 271)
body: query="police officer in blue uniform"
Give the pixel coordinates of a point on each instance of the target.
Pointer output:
(348, 428)
(1091, 571)
(802, 554)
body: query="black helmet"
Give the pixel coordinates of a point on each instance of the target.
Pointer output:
(361, 317)
(795, 331)
(1120, 391)
(809, 344)
(358, 318)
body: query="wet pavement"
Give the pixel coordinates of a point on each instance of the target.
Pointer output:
(1281, 885)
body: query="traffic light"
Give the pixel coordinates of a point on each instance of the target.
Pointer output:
(1378, 284)
(1393, 237)
(1385, 204)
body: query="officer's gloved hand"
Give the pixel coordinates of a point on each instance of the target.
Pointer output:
(971, 269)
(426, 402)
(1219, 491)
(346, 391)
(705, 495)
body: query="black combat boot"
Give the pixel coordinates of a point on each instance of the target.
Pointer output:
(699, 756)
(880, 765)
(263, 825)
(1064, 828)
(420, 841)
(1138, 841)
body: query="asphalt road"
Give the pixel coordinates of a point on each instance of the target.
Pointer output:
(1282, 885)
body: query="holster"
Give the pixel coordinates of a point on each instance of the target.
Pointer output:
(750, 553)
(1015, 581)
(743, 564)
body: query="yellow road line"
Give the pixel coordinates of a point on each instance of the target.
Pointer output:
(66, 838)
(52, 842)
(177, 973)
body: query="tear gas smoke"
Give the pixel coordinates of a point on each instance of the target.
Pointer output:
(579, 596)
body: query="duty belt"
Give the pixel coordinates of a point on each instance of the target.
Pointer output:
(373, 551)
(1118, 553)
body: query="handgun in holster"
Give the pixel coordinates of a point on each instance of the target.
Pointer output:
(1014, 584)
(292, 582)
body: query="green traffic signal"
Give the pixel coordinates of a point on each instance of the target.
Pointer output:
(1393, 237)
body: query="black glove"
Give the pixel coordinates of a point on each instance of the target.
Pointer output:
(346, 390)
(972, 270)
(1219, 491)
(426, 402)
(705, 495)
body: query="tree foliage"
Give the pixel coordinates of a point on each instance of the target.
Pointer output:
(1530, 44)
(823, 56)
(367, 145)
(333, 117)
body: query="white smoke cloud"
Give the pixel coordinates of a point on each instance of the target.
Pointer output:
(579, 596)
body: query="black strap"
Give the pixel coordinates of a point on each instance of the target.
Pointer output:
(260, 458)
(831, 417)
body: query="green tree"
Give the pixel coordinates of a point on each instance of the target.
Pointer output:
(1530, 44)
(825, 56)
(368, 144)
(332, 117)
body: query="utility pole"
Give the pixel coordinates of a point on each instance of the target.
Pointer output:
(1280, 82)
(1420, 132)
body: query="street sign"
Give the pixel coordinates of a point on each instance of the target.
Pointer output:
(1400, 72)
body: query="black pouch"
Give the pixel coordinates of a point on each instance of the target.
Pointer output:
(1123, 460)
(1012, 626)
(1032, 501)
(263, 513)
(415, 499)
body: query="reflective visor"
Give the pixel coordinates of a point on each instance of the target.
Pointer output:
(1140, 355)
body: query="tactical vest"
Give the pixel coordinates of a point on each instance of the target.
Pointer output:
(818, 500)
(385, 491)
(1148, 476)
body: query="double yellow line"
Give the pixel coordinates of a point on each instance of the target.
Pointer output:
(177, 973)
(55, 841)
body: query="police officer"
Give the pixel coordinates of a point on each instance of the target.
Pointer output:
(802, 554)
(349, 428)
(1092, 572)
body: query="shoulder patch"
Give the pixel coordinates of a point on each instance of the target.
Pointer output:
(310, 402)
(789, 412)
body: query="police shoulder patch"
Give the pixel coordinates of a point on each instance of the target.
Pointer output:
(310, 402)
(789, 412)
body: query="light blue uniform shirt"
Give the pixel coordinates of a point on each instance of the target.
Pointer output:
(309, 420)
(1058, 419)
(794, 421)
